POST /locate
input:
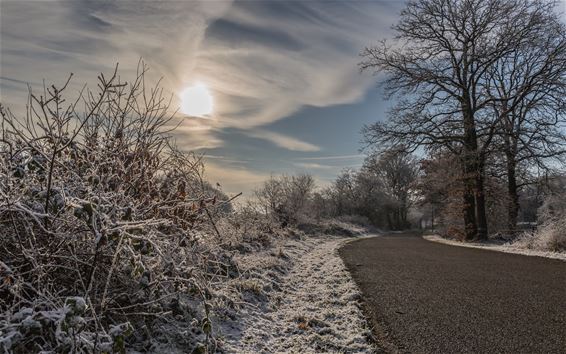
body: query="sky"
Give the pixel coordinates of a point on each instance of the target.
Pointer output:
(287, 93)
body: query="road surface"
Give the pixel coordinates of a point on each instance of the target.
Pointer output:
(427, 297)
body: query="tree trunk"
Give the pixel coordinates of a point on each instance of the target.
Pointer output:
(481, 216)
(470, 155)
(510, 146)
(512, 194)
(469, 205)
(432, 217)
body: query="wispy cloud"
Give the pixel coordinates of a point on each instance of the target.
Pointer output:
(263, 61)
(336, 157)
(283, 141)
(315, 166)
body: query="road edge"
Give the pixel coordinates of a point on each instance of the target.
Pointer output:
(381, 337)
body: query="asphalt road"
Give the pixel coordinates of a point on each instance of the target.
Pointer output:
(426, 297)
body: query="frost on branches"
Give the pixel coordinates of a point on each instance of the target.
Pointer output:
(102, 222)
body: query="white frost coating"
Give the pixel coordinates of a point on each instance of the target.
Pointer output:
(507, 248)
(314, 307)
(76, 304)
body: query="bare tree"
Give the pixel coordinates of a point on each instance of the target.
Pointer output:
(438, 66)
(286, 197)
(396, 173)
(344, 192)
(528, 87)
(439, 190)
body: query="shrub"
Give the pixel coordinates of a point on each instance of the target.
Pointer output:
(248, 228)
(103, 222)
(551, 233)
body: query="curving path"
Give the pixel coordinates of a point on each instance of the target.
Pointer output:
(426, 297)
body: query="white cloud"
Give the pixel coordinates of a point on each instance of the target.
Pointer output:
(316, 166)
(283, 141)
(319, 69)
(336, 157)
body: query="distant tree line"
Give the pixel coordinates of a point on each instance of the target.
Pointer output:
(383, 192)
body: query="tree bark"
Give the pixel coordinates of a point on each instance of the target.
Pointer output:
(432, 217)
(470, 162)
(481, 216)
(469, 204)
(512, 194)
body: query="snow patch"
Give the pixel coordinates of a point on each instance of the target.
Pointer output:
(301, 299)
(506, 248)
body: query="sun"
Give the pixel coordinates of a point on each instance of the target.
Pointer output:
(196, 100)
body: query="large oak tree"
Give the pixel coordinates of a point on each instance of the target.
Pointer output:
(438, 66)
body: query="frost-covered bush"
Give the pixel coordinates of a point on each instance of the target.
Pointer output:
(355, 220)
(107, 229)
(248, 228)
(551, 232)
(64, 329)
(550, 236)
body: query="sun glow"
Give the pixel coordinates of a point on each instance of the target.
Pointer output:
(196, 101)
